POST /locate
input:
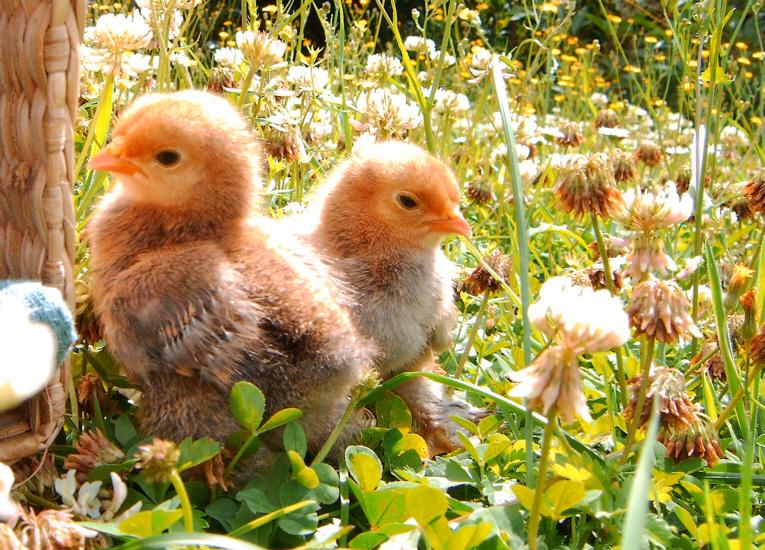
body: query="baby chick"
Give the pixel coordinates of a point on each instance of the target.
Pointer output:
(379, 221)
(195, 294)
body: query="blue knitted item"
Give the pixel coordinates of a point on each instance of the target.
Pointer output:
(45, 305)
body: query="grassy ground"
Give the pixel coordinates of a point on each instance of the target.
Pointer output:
(681, 469)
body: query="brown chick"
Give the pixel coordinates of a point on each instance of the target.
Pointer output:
(196, 294)
(380, 221)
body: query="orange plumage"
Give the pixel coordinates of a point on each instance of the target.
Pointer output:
(195, 293)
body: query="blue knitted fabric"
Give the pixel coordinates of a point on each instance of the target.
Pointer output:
(45, 305)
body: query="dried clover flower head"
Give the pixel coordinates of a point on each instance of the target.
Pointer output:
(597, 276)
(587, 185)
(607, 118)
(578, 320)
(741, 208)
(623, 165)
(659, 309)
(757, 347)
(481, 280)
(286, 145)
(739, 280)
(683, 179)
(676, 408)
(697, 439)
(259, 49)
(52, 529)
(713, 365)
(92, 449)
(755, 193)
(649, 154)
(479, 191)
(615, 246)
(570, 134)
(158, 459)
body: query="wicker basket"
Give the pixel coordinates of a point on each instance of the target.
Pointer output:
(39, 78)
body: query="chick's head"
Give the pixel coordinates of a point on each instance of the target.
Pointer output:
(183, 149)
(395, 193)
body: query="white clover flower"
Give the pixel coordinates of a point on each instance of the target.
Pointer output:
(732, 137)
(119, 33)
(619, 133)
(420, 44)
(87, 500)
(449, 59)
(578, 320)
(529, 170)
(228, 57)
(583, 319)
(599, 99)
(308, 79)
(450, 102)
(389, 113)
(382, 64)
(649, 211)
(259, 49)
(66, 486)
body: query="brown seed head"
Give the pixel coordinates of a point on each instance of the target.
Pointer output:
(683, 178)
(571, 134)
(741, 207)
(481, 280)
(757, 347)
(714, 365)
(287, 146)
(597, 276)
(623, 165)
(607, 118)
(587, 185)
(649, 154)
(479, 191)
(755, 193)
(676, 408)
(697, 439)
(660, 310)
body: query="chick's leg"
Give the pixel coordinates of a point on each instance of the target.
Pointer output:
(431, 408)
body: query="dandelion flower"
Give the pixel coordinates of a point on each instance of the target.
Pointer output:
(660, 310)
(587, 184)
(578, 320)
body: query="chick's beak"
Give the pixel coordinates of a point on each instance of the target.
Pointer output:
(109, 160)
(452, 223)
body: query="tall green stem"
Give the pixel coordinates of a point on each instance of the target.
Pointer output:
(180, 489)
(472, 335)
(648, 345)
(540, 489)
(523, 243)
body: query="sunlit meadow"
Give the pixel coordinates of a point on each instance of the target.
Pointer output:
(611, 161)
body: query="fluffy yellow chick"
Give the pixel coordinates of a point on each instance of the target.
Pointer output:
(379, 221)
(195, 293)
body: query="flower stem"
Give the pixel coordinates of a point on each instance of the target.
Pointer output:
(471, 336)
(648, 345)
(608, 276)
(536, 506)
(335, 435)
(180, 489)
(735, 399)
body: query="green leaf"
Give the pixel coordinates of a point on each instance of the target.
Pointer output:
(562, 495)
(295, 440)
(392, 412)
(368, 540)
(256, 500)
(469, 536)
(247, 405)
(364, 466)
(124, 431)
(498, 444)
(103, 471)
(196, 452)
(150, 522)
(199, 540)
(637, 502)
(280, 418)
(328, 490)
(425, 504)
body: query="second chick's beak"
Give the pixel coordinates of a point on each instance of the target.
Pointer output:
(109, 160)
(452, 223)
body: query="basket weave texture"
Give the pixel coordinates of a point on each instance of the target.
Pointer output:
(39, 81)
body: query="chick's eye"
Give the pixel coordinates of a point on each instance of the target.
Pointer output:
(168, 158)
(408, 202)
